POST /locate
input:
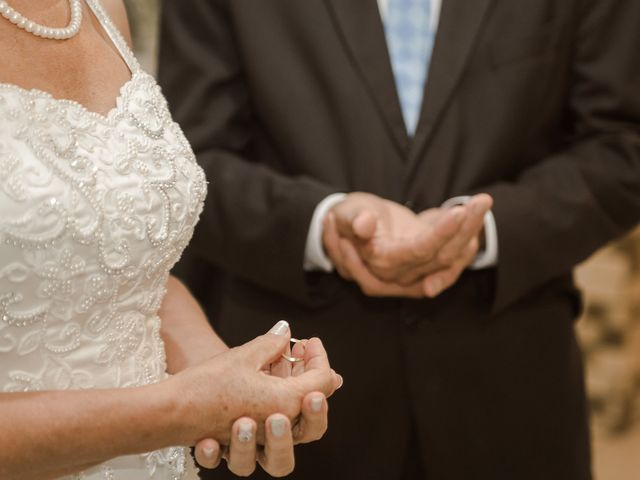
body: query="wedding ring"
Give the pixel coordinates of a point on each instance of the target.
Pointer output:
(293, 359)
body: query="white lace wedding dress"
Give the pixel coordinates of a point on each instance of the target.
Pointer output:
(94, 212)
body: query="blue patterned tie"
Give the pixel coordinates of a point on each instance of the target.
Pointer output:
(410, 37)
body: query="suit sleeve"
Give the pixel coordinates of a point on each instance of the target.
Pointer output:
(256, 220)
(561, 210)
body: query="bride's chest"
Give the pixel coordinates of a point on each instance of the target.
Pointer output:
(131, 169)
(94, 212)
(116, 187)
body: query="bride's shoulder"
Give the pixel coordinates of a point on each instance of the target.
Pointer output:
(118, 14)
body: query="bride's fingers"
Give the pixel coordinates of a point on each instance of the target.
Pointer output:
(208, 453)
(298, 351)
(315, 355)
(242, 451)
(314, 421)
(317, 369)
(277, 459)
(282, 367)
(337, 380)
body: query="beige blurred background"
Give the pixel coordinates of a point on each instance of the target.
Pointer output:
(609, 330)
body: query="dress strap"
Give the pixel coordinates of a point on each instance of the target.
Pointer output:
(114, 34)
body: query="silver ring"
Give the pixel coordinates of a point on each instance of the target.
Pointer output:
(293, 359)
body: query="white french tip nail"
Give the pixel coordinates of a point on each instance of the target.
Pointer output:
(245, 432)
(316, 404)
(208, 452)
(280, 328)
(277, 426)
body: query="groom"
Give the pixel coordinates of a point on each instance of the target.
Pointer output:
(346, 142)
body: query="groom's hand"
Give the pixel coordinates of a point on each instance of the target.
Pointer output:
(457, 254)
(377, 242)
(450, 256)
(390, 251)
(391, 239)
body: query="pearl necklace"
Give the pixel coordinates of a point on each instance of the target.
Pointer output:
(38, 30)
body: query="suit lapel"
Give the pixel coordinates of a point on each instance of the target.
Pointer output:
(360, 28)
(460, 22)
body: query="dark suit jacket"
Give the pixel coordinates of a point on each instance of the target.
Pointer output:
(536, 102)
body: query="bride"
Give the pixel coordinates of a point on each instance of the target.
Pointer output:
(98, 198)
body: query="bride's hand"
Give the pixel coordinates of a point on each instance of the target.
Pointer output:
(277, 457)
(232, 385)
(312, 424)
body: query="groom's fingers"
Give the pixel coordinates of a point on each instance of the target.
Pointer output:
(331, 241)
(456, 249)
(355, 218)
(435, 284)
(426, 245)
(364, 225)
(477, 208)
(371, 285)
(393, 261)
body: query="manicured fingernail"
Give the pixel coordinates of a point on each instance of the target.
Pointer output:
(341, 381)
(316, 403)
(208, 452)
(280, 328)
(435, 287)
(245, 432)
(277, 426)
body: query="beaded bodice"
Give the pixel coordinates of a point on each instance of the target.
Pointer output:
(94, 212)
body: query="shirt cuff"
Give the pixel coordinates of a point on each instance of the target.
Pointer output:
(489, 256)
(315, 258)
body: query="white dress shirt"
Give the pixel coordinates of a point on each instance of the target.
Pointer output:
(315, 256)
